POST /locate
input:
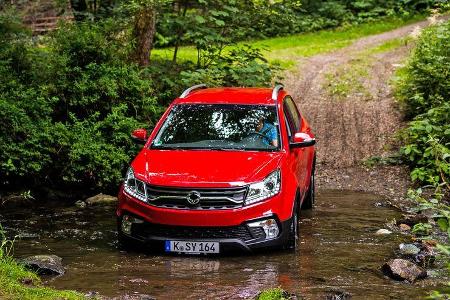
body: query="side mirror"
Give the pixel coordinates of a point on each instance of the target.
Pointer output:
(302, 140)
(139, 136)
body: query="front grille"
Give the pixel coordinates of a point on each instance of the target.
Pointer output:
(210, 198)
(241, 232)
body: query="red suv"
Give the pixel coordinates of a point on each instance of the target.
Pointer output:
(223, 169)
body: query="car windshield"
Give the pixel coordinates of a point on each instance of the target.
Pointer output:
(220, 127)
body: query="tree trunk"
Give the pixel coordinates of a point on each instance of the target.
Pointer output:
(180, 31)
(79, 9)
(144, 32)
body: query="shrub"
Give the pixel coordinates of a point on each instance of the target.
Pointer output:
(428, 145)
(67, 107)
(425, 92)
(243, 66)
(427, 82)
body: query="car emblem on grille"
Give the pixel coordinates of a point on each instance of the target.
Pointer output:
(193, 198)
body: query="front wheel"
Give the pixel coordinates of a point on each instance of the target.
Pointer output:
(292, 242)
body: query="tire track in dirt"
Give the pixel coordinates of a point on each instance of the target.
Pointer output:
(353, 129)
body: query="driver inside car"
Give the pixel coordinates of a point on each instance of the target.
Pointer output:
(268, 131)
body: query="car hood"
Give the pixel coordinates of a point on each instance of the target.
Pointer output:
(204, 168)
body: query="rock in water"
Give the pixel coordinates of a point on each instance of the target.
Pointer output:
(409, 249)
(412, 220)
(80, 204)
(404, 227)
(383, 232)
(101, 199)
(45, 264)
(402, 269)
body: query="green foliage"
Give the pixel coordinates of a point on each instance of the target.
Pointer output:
(68, 102)
(425, 91)
(209, 23)
(428, 145)
(426, 83)
(67, 107)
(273, 294)
(285, 50)
(434, 201)
(243, 66)
(422, 229)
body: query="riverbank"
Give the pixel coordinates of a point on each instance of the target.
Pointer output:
(16, 282)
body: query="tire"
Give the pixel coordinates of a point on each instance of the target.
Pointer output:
(292, 240)
(310, 196)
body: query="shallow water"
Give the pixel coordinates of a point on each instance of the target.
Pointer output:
(338, 251)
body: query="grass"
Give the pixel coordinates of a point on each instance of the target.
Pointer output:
(272, 294)
(16, 282)
(347, 80)
(388, 46)
(286, 50)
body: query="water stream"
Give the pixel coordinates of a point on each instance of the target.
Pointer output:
(338, 251)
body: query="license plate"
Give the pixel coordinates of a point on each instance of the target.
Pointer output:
(192, 247)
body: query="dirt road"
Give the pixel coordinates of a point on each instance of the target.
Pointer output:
(348, 99)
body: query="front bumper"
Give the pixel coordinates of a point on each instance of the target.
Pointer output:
(241, 238)
(279, 205)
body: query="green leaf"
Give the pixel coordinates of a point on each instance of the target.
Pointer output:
(443, 224)
(200, 19)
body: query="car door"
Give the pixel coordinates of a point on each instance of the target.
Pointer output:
(299, 155)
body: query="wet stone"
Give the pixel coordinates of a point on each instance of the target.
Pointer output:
(402, 269)
(404, 227)
(101, 199)
(80, 204)
(45, 264)
(409, 249)
(27, 235)
(92, 294)
(426, 257)
(412, 220)
(383, 232)
(337, 294)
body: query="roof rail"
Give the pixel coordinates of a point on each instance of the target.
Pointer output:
(278, 87)
(187, 91)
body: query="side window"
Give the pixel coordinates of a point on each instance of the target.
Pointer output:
(288, 126)
(293, 112)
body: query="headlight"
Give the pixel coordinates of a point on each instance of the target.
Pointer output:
(135, 187)
(267, 188)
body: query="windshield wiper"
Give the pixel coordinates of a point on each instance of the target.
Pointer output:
(168, 148)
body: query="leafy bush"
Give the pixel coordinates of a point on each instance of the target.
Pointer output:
(243, 66)
(425, 92)
(428, 145)
(69, 101)
(67, 107)
(427, 82)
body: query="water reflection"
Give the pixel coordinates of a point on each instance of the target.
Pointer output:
(337, 250)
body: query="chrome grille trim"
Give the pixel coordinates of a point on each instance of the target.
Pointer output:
(211, 198)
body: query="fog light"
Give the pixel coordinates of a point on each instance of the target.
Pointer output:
(127, 222)
(269, 226)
